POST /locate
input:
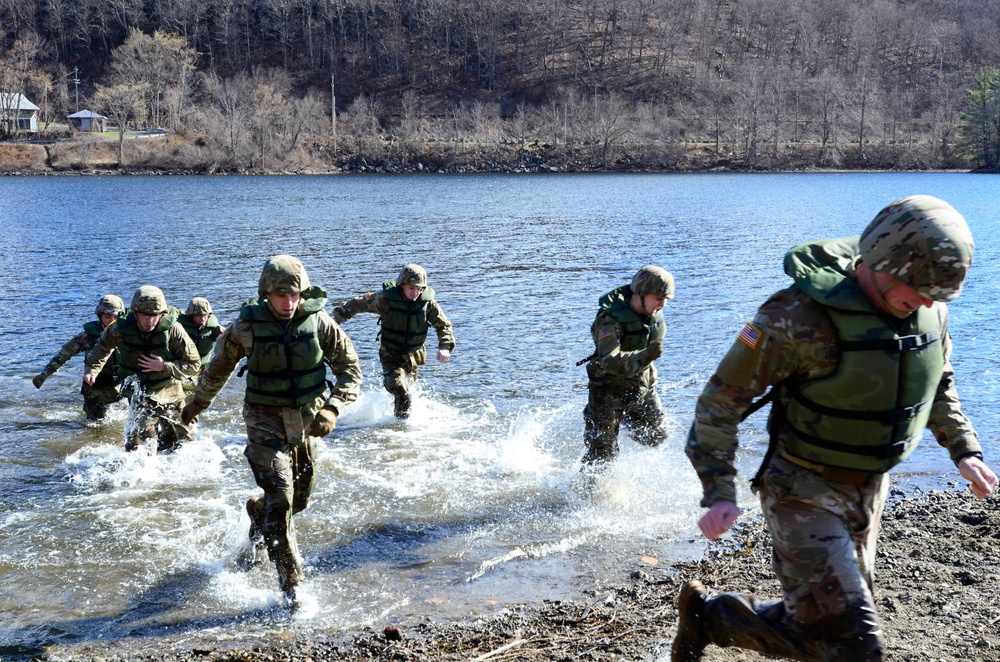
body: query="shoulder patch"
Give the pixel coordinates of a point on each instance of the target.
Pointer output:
(605, 333)
(750, 335)
(368, 296)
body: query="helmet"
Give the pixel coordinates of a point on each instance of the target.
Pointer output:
(199, 306)
(653, 280)
(109, 305)
(149, 300)
(283, 274)
(412, 274)
(923, 242)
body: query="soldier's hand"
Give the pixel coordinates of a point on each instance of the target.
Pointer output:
(323, 423)
(978, 473)
(654, 350)
(444, 355)
(89, 379)
(151, 363)
(191, 411)
(719, 518)
(39, 379)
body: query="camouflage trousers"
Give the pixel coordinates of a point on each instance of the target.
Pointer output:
(824, 554)
(96, 400)
(398, 372)
(151, 419)
(608, 406)
(281, 457)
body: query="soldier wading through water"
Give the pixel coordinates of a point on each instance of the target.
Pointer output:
(288, 340)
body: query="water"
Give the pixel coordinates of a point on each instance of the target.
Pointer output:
(475, 502)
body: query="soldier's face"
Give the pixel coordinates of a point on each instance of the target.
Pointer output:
(283, 305)
(411, 292)
(147, 322)
(653, 303)
(107, 319)
(898, 299)
(199, 319)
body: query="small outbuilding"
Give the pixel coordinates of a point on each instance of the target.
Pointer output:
(18, 114)
(87, 120)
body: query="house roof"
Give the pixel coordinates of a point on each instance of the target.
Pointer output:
(84, 114)
(21, 101)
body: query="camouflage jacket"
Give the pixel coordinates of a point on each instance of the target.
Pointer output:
(185, 365)
(611, 364)
(236, 343)
(376, 302)
(790, 338)
(81, 342)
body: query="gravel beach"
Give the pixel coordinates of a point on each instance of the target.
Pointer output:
(937, 582)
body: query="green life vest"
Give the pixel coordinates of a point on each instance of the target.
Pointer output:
(404, 327)
(639, 330)
(154, 343)
(203, 337)
(107, 377)
(871, 413)
(285, 367)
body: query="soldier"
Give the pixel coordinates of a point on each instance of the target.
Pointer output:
(628, 334)
(406, 309)
(202, 327)
(153, 346)
(107, 385)
(288, 339)
(856, 352)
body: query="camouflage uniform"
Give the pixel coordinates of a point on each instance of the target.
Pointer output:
(107, 388)
(156, 404)
(400, 367)
(203, 336)
(823, 519)
(622, 377)
(280, 453)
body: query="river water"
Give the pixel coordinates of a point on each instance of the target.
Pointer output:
(476, 502)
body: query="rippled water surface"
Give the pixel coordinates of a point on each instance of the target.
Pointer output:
(474, 503)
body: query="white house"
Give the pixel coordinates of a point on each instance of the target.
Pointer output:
(18, 114)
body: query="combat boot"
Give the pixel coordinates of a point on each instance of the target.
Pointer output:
(402, 404)
(253, 554)
(691, 637)
(289, 576)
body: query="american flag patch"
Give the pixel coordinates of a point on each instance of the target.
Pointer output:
(750, 336)
(604, 334)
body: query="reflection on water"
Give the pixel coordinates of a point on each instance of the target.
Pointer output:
(477, 500)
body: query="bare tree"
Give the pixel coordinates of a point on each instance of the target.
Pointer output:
(123, 104)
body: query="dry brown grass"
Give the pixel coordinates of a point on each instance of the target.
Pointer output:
(22, 158)
(84, 155)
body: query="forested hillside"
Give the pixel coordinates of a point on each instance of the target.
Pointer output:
(652, 83)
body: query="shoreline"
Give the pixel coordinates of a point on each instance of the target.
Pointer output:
(937, 578)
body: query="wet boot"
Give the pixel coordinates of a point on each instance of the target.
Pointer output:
(692, 635)
(253, 554)
(401, 405)
(289, 578)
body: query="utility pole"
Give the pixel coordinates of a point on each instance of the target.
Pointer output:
(76, 85)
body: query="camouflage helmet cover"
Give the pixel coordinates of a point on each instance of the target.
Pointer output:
(923, 242)
(199, 306)
(283, 274)
(412, 274)
(653, 280)
(109, 304)
(149, 300)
